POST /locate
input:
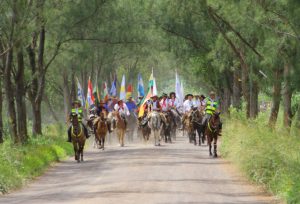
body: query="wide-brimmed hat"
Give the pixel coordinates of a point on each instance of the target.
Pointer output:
(164, 95)
(212, 93)
(76, 102)
(189, 95)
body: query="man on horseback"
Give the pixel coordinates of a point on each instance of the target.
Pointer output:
(212, 106)
(122, 108)
(103, 108)
(188, 104)
(77, 110)
(173, 101)
(202, 103)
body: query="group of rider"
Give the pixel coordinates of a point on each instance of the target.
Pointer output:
(207, 106)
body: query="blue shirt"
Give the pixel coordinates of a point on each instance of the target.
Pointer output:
(131, 106)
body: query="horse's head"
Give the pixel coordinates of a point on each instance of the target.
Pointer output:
(215, 120)
(74, 119)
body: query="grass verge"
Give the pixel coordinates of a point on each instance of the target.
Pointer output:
(19, 164)
(268, 157)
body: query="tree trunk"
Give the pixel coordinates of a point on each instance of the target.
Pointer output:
(20, 99)
(254, 100)
(67, 97)
(1, 104)
(276, 96)
(287, 97)
(236, 89)
(10, 97)
(46, 99)
(245, 83)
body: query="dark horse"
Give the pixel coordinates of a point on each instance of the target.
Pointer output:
(196, 120)
(144, 127)
(78, 137)
(167, 127)
(101, 130)
(212, 131)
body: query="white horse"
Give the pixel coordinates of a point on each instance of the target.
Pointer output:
(155, 124)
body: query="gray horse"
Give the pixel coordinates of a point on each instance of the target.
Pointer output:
(155, 124)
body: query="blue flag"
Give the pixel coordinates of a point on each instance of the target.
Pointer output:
(113, 89)
(141, 91)
(80, 94)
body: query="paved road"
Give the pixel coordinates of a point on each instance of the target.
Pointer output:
(140, 173)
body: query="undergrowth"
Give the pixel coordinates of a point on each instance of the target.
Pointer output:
(270, 157)
(19, 164)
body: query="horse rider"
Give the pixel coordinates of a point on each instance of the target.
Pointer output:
(187, 106)
(154, 105)
(164, 103)
(103, 108)
(211, 107)
(76, 109)
(122, 108)
(202, 103)
(131, 105)
(173, 101)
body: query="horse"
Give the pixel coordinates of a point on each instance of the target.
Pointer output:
(101, 130)
(144, 127)
(176, 122)
(78, 137)
(155, 124)
(212, 131)
(120, 126)
(196, 120)
(166, 128)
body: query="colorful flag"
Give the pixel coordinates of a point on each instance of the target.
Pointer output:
(113, 89)
(141, 91)
(129, 91)
(80, 94)
(152, 91)
(122, 89)
(90, 97)
(105, 91)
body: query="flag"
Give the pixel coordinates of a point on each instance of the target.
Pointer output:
(80, 94)
(122, 89)
(141, 91)
(178, 90)
(181, 92)
(105, 91)
(90, 97)
(129, 91)
(152, 90)
(113, 89)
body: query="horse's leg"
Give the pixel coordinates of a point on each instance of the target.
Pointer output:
(209, 143)
(215, 146)
(75, 151)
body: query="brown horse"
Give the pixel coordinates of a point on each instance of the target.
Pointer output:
(121, 127)
(212, 131)
(78, 137)
(101, 130)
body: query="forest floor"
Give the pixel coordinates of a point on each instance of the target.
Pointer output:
(141, 173)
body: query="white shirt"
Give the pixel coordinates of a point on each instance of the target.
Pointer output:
(196, 103)
(164, 105)
(123, 109)
(174, 102)
(187, 106)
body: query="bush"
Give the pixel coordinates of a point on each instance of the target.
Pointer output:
(269, 157)
(21, 163)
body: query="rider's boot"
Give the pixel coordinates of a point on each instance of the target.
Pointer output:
(108, 127)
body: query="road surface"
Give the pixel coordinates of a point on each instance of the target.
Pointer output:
(141, 173)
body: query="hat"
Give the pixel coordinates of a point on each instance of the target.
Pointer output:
(189, 95)
(212, 93)
(164, 95)
(202, 96)
(154, 96)
(76, 102)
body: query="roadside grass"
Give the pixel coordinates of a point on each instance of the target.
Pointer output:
(19, 164)
(268, 157)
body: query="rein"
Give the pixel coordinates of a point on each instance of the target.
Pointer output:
(72, 131)
(209, 127)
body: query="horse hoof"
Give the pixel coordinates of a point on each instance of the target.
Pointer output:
(215, 156)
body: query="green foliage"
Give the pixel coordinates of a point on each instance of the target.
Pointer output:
(19, 164)
(269, 157)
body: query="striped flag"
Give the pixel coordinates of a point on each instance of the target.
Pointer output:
(152, 91)
(80, 94)
(122, 90)
(90, 97)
